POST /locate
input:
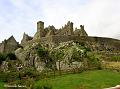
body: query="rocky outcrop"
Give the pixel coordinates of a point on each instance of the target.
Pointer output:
(29, 57)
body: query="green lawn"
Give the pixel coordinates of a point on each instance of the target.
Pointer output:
(1, 85)
(97, 79)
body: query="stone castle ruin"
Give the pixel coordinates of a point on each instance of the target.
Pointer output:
(67, 30)
(50, 36)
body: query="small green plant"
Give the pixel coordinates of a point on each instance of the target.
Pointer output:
(9, 76)
(115, 58)
(30, 83)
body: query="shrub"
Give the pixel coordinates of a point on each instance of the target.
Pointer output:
(3, 76)
(29, 72)
(2, 58)
(42, 52)
(9, 76)
(115, 58)
(11, 56)
(30, 83)
(94, 60)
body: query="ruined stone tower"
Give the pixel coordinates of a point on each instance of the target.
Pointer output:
(82, 31)
(70, 28)
(40, 30)
(40, 26)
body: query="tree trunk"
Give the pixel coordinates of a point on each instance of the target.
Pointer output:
(54, 70)
(59, 68)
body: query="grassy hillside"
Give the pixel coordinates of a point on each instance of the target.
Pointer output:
(87, 80)
(1, 85)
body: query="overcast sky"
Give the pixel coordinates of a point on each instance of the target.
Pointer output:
(100, 17)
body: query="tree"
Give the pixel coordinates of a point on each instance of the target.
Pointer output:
(42, 53)
(94, 60)
(59, 54)
(2, 58)
(11, 56)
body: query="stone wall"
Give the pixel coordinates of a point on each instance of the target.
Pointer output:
(9, 45)
(50, 36)
(25, 39)
(96, 43)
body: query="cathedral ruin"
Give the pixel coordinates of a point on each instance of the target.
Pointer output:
(50, 37)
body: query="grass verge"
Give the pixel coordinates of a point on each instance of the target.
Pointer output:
(97, 79)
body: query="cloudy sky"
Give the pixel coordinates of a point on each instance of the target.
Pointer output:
(100, 17)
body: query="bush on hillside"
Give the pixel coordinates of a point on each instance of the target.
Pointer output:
(94, 60)
(2, 58)
(11, 56)
(115, 58)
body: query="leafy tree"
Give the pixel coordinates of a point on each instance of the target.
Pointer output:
(2, 58)
(76, 55)
(11, 56)
(94, 60)
(44, 57)
(42, 53)
(58, 55)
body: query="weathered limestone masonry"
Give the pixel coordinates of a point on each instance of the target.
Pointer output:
(49, 31)
(40, 30)
(25, 38)
(50, 37)
(9, 45)
(48, 34)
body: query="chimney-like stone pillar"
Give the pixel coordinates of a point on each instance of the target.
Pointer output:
(40, 30)
(82, 27)
(40, 26)
(82, 31)
(70, 28)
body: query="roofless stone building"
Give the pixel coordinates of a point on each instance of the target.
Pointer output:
(50, 37)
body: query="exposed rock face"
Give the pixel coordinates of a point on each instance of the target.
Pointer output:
(69, 66)
(29, 57)
(26, 38)
(9, 45)
(51, 37)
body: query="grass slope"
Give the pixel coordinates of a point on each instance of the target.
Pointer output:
(1, 85)
(98, 79)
